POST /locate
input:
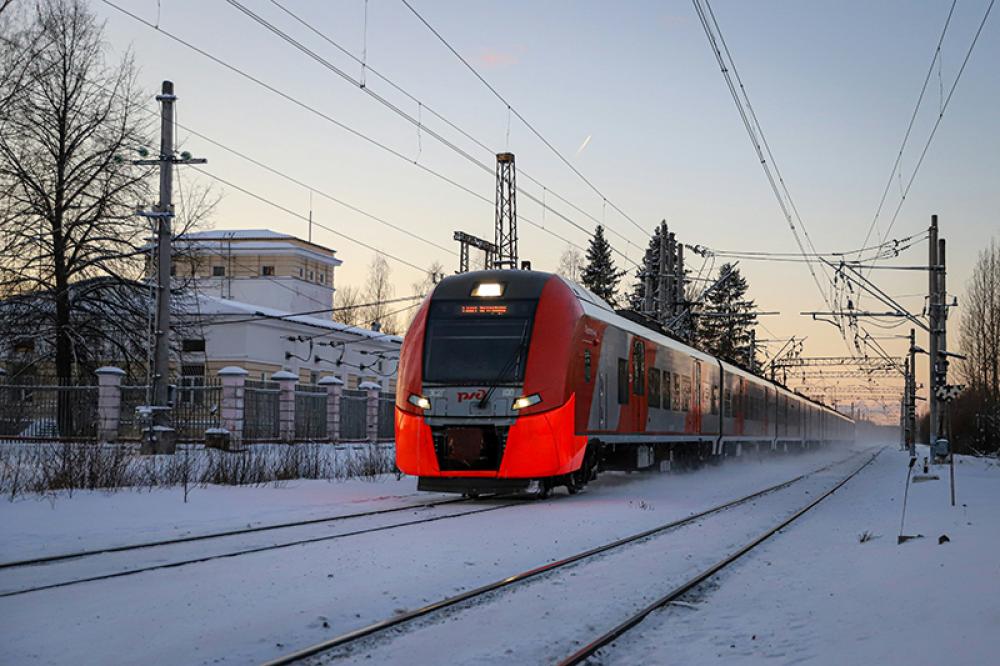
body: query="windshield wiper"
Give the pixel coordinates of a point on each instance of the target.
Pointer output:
(511, 361)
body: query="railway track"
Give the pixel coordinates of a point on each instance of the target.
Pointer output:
(605, 639)
(39, 566)
(383, 627)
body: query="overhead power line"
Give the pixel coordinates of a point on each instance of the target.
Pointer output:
(520, 117)
(339, 124)
(909, 127)
(750, 122)
(422, 106)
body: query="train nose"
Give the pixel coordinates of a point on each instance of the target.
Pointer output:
(469, 447)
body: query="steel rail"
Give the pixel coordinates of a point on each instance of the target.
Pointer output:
(248, 551)
(402, 618)
(588, 650)
(47, 559)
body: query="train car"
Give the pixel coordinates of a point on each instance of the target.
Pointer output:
(522, 381)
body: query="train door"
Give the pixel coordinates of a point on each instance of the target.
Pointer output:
(696, 398)
(739, 405)
(602, 401)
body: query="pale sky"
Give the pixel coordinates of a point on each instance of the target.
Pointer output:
(631, 94)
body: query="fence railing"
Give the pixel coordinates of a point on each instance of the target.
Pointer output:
(310, 412)
(262, 411)
(239, 408)
(48, 412)
(353, 407)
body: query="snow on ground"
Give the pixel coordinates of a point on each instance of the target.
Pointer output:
(55, 524)
(816, 594)
(258, 606)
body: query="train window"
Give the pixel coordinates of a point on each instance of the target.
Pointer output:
(677, 392)
(654, 388)
(638, 367)
(686, 393)
(667, 402)
(586, 365)
(727, 402)
(622, 381)
(714, 401)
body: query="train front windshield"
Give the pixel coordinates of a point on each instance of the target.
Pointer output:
(477, 343)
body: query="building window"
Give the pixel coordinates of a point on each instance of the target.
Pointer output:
(654, 388)
(193, 345)
(218, 271)
(622, 381)
(173, 270)
(311, 276)
(24, 345)
(267, 270)
(191, 380)
(322, 277)
(301, 271)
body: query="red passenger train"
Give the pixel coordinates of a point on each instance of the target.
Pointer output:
(522, 380)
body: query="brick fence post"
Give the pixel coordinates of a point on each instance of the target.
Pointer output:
(373, 390)
(109, 402)
(233, 390)
(286, 404)
(334, 391)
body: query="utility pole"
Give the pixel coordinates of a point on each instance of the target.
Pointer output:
(505, 237)
(911, 395)
(467, 240)
(159, 437)
(932, 316)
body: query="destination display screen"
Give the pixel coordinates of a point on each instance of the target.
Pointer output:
(483, 309)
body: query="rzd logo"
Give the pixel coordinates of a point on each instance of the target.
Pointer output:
(471, 395)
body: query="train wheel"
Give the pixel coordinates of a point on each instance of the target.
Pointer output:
(471, 495)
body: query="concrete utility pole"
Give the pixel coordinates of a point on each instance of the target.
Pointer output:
(159, 437)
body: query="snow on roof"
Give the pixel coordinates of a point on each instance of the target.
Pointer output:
(216, 307)
(235, 234)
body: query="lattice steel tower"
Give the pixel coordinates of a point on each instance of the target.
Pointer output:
(506, 223)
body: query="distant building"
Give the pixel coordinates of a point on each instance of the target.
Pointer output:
(241, 299)
(249, 288)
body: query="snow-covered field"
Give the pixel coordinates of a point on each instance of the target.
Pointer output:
(814, 593)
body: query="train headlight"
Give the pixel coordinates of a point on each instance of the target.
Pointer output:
(488, 290)
(419, 401)
(526, 401)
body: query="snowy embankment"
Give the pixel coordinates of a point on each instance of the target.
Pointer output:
(258, 606)
(817, 594)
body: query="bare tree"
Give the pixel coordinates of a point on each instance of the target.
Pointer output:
(378, 290)
(571, 263)
(71, 242)
(422, 288)
(346, 301)
(980, 328)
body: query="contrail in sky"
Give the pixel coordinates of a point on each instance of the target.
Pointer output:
(583, 145)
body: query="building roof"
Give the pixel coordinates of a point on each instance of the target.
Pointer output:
(214, 237)
(216, 307)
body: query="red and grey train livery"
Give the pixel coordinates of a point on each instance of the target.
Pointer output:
(516, 380)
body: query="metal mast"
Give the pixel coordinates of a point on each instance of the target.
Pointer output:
(506, 217)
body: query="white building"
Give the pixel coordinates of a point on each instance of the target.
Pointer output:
(264, 303)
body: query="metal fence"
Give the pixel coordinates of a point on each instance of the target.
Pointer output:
(49, 412)
(386, 416)
(261, 411)
(353, 407)
(310, 412)
(196, 409)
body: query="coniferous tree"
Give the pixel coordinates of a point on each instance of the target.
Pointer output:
(727, 319)
(650, 266)
(600, 274)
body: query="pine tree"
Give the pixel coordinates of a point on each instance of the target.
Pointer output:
(600, 274)
(726, 321)
(650, 266)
